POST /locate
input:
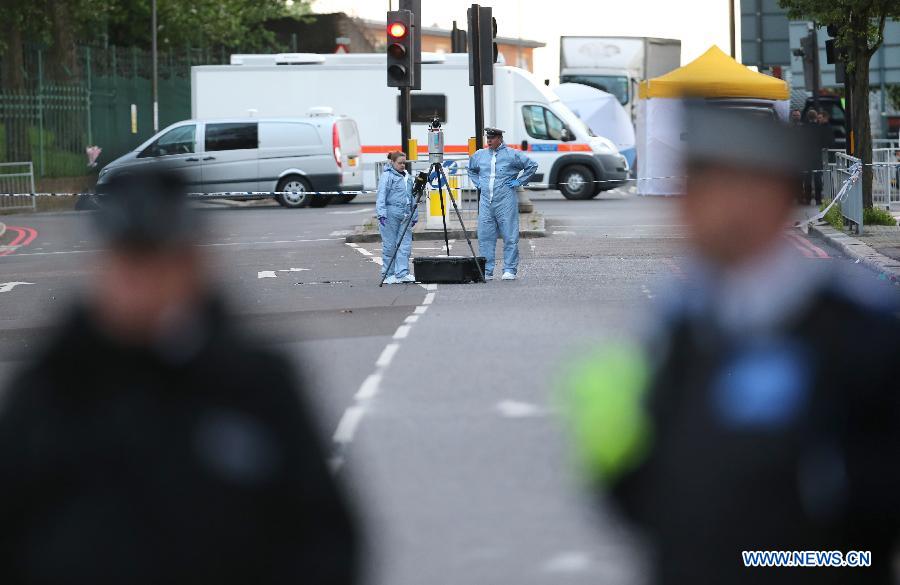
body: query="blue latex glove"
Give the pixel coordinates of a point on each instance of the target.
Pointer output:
(382, 220)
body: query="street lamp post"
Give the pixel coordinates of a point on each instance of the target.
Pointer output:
(731, 29)
(155, 67)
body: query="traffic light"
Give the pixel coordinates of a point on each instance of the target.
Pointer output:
(809, 50)
(482, 46)
(400, 53)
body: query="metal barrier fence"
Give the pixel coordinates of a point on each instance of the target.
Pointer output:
(837, 165)
(886, 177)
(17, 177)
(52, 118)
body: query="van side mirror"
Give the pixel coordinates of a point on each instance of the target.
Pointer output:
(565, 135)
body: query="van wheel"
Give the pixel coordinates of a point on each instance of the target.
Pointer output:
(576, 182)
(343, 198)
(298, 192)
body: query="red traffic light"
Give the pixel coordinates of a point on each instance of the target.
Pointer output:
(396, 30)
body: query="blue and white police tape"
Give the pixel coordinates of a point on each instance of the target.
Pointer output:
(855, 174)
(217, 195)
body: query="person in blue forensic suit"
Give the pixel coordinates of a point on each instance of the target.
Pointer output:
(393, 207)
(497, 171)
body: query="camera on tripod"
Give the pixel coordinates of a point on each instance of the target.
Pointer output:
(419, 182)
(435, 142)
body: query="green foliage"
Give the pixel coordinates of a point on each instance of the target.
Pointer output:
(181, 23)
(878, 216)
(833, 217)
(893, 93)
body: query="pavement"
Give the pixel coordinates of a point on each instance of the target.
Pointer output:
(440, 400)
(878, 247)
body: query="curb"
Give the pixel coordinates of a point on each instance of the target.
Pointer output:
(860, 251)
(364, 234)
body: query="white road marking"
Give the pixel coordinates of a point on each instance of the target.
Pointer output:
(369, 387)
(387, 354)
(295, 270)
(347, 426)
(532, 245)
(420, 310)
(411, 319)
(8, 286)
(646, 291)
(217, 244)
(363, 210)
(429, 298)
(401, 332)
(515, 409)
(364, 252)
(340, 233)
(563, 233)
(567, 562)
(266, 274)
(352, 245)
(431, 286)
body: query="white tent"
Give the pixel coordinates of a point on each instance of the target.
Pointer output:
(713, 75)
(603, 114)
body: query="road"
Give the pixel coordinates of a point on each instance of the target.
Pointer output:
(439, 399)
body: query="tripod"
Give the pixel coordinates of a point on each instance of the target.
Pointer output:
(419, 189)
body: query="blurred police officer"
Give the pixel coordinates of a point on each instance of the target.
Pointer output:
(497, 171)
(764, 414)
(153, 442)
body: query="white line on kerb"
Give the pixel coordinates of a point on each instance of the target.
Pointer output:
(369, 387)
(401, 332)
(387, 354)
(347, 426)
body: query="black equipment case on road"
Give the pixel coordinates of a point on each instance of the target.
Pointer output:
(447, 269)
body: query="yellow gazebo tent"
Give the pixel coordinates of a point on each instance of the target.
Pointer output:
(712, 75)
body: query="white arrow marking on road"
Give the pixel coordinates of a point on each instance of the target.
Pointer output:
(8, 286)
(365, 209)
(266, 274)
(513, 409)
(295, 269)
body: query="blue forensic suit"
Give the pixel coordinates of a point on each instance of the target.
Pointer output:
(496, 173)
(395, 203)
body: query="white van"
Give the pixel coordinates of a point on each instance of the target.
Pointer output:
(569, 156)
(320, 152)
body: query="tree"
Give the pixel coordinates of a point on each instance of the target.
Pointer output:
(860, 25)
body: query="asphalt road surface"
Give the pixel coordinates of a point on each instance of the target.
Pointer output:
(439, 400)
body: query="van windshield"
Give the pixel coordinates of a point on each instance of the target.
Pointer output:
(614, 84)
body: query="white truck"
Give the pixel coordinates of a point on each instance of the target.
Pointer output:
(569, 156)
(616, 65)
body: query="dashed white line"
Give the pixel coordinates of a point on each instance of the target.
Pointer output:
(364, 252)
(429, 298)
(369, 387)
(387, 354)
(347, 426)
(401, 332)
(420, 310)
(411, 319)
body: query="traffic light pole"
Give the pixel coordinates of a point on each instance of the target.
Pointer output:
(475, 51)
(405, 121)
